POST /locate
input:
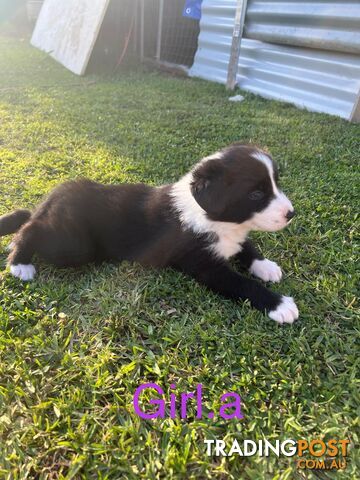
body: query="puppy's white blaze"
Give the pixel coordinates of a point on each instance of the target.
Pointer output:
(286, 312)
(193, 217)
(266, 270)
(265, 159)
(273, 217)
(24, 272)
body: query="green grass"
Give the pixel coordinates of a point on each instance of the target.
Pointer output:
(75, 344)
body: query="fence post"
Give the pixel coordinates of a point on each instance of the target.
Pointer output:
(355, 114)
(142, 25)
(235, 45)
(159, 33)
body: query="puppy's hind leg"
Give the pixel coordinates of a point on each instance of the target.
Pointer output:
(23, 249)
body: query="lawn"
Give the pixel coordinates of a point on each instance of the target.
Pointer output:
(75, 344)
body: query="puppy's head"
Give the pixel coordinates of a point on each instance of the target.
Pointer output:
(240, 184)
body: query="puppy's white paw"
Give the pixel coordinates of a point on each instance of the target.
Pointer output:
(286, 312)
(266, 270)
(24, 272)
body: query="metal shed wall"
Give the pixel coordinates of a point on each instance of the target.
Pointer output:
(324, 24)
(324, 78)
(214, 42)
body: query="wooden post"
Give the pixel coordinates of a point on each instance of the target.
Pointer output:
(355, 114)
(142, 22)
(159, 33)
(235, 45)
(136, 27)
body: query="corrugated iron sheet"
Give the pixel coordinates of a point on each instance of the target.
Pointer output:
(322, 24)
(317, 79)
(216, 28)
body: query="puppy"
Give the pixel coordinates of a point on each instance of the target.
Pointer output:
(195, 225)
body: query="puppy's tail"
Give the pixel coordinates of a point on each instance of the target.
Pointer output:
(11, 222)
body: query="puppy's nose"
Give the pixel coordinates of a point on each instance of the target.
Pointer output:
(290, 214)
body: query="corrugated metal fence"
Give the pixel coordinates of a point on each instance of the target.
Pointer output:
(325, 24)
(304, 52)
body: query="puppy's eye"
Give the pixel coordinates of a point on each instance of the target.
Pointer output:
(256, 195)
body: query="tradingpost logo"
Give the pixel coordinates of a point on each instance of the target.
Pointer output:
(307, 453)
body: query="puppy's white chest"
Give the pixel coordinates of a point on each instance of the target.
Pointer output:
(230, 240)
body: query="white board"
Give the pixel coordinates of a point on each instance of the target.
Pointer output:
(67, 30)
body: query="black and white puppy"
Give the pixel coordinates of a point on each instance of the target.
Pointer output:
(195, 225)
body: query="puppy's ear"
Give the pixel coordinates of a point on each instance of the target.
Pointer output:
(208, 187)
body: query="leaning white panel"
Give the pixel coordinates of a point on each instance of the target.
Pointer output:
(68, 29)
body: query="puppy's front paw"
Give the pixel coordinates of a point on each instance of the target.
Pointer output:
(24, 272)
(266, 270)
(286, 312)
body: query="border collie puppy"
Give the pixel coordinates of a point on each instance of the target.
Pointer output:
(195, 225)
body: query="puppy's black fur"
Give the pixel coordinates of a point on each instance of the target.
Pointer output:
(84, 221)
